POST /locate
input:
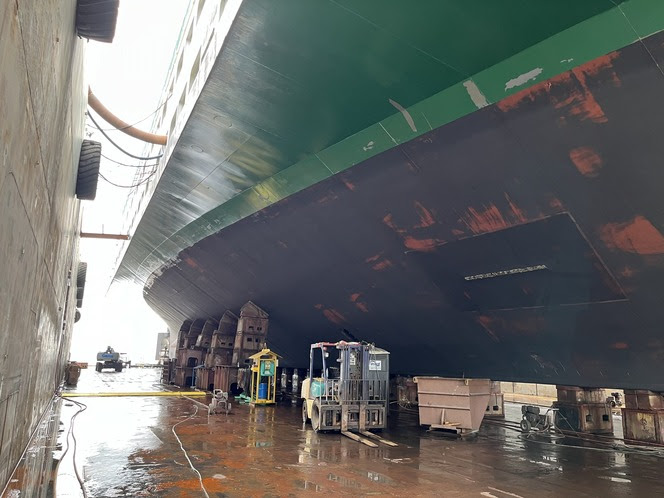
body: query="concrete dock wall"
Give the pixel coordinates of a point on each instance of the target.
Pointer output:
(42, 104)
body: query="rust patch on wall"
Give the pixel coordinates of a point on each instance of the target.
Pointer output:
(637, 236)
(349, 185)
(327, 198)
(373, 258)
(390, 223)
(192, 263)
(488, 220)
(619, 345)
(580, 102)
(422, 245)
(382, 265)
(334, 316)
(362, 307)
(555, 203)
(485, 323)
(586, 160)
(528, 325)
(627, 272)
(412, 243)
(518, 214)
(358, 304)
(602, 64)
(426, 218)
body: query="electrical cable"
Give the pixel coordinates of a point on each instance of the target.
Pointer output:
(129, 165)
(141, 120)
(82, 407)
(117, 146)
(136, 185)
(200, 478)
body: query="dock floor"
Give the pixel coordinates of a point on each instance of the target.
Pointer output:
(158, 446)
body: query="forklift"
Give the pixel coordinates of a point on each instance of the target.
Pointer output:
(351, 396)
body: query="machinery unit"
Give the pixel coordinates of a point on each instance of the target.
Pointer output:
(615, 400)
(351, 392)
(264, 377)
(108, 359)
(532, 419)
(219, 402)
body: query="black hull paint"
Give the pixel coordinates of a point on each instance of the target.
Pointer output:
(522, 242)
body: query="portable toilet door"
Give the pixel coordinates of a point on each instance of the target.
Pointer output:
(264, 377)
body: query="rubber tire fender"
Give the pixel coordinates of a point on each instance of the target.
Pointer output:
(88, 170)
(96, 19)
(81, 274)
(80, 282)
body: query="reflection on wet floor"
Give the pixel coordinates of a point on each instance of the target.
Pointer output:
(129, 447)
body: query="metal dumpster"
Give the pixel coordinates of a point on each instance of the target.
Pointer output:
(459, 403)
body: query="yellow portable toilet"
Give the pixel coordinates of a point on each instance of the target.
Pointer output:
(264, 377)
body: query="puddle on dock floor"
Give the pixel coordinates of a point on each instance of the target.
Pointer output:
(130, 446)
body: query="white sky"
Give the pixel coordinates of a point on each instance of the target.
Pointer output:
(128, 77)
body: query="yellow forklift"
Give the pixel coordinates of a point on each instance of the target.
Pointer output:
(352, 392)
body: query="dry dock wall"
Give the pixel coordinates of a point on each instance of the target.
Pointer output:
(42, 104)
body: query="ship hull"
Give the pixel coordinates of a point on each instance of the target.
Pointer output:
(522, 242)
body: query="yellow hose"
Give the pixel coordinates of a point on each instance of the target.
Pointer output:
(145, 393)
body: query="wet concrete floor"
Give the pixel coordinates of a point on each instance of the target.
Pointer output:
(130, 447)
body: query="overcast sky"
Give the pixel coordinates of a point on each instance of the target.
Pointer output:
(128, 77)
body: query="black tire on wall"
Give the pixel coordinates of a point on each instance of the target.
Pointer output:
(80, 282)
(81, 274)
(88, 170)
(77, 316)
(96, 19)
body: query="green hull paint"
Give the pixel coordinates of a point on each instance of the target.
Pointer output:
(269, 179)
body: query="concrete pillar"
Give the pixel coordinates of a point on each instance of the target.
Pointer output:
(583, 410)
(643, 416)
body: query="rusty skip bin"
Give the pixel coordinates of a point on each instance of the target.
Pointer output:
(453, 404)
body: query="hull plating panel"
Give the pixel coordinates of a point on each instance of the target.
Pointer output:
(521, 242)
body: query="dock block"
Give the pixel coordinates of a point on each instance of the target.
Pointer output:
(643, 417)
(583, 410)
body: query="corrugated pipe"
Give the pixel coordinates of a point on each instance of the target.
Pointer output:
(116, 122)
